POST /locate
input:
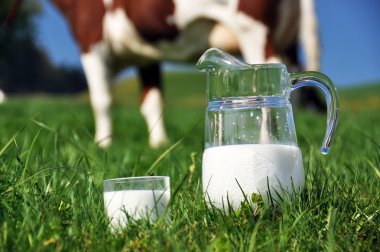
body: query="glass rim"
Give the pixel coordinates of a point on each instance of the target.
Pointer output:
(249, 67)
(136, 179)
(266, 65)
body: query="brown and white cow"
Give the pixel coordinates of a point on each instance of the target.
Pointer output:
(113, 34)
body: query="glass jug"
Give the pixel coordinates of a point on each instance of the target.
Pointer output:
(250, 140)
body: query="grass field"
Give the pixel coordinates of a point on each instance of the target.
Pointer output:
(51, 177)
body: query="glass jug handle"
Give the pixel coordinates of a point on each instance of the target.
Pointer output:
(324, 83)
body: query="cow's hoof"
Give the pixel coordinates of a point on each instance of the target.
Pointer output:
(104, 143)
(157, 142)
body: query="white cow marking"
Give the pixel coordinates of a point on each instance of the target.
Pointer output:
(122, 36)
(152, 108)
(108, 3)
(94, 66)
(2, 96)
(309, 35)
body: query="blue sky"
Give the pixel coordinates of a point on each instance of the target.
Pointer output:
(349, 30)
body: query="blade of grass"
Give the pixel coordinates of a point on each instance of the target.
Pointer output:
(29, 154)
(252, 241)
(11, 140)
(162, 156)
(168, 150)
(36, 175)
(174, 194)
(69, 140)
(376, 170)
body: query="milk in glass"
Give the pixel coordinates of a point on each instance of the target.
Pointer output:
(136, 203)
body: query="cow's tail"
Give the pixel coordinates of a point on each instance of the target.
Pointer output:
(309, 35)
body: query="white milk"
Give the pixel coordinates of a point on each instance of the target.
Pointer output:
(253, 166)
(137, 203)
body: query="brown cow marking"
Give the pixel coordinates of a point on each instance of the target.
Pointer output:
(264, 11)
(150, 18)
(86, 20)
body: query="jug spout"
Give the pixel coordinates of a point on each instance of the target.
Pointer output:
(215, 59)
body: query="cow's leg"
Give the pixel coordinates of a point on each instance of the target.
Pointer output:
(2, 96)
(152, 104)
(96, 71)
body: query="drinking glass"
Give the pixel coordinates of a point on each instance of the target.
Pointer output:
(134, 198)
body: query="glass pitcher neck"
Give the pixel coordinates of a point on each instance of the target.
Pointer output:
(230, 77)
(254, 81)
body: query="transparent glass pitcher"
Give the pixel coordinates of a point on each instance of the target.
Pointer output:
(250, 140)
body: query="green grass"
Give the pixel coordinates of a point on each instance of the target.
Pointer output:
(51, 177)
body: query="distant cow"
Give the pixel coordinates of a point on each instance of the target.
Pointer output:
(113, 34)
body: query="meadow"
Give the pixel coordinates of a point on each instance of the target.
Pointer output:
(51, 174)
